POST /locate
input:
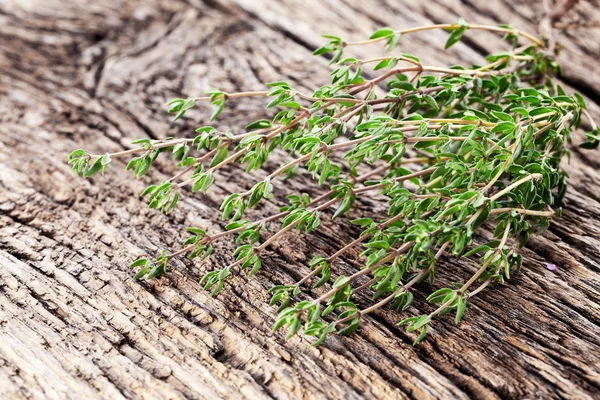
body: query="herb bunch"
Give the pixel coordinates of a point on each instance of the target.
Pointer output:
(485, 143)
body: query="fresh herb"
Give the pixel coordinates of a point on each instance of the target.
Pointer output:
(488, 141)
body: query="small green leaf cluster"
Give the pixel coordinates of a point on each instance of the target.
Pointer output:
(282, 294)
(247, 256)
(200, 242)
(162, 197)
(390, 36)
(592, 139)
(345, 193)
(215, 280)
(179, 107)
(80, 160)
(202, 181)
(303, 218)
(283, 96)
(153, 268)
(322, 267)
(335, 45)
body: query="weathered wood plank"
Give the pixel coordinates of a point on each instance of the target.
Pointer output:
(74, 325)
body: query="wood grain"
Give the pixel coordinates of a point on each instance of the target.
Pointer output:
(73, 324)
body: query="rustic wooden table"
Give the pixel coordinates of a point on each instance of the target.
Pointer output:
(73, 324)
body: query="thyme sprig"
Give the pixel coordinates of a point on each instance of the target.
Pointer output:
(453, 148)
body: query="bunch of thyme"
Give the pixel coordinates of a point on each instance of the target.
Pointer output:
(488, 140)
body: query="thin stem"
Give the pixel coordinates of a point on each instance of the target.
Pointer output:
(271, 135)
(405, 288)
(161, 144)
(307, 156)
(479, 289)
(453, 26)
(450, 71)
(367, 284)
(196, 164)
(344, 249)
(285, 167)
(376, 171)
(515, 184)
(522, 211)
(486, 264)
(274, 217)
(589, 117)
(353, 142)
(477, 274)
(211, 238)
(365, 271)
(401, 58)
(233, 95)
(506, 164)
(456, 121)
(280, 233)
(294, 223)
(426, 171)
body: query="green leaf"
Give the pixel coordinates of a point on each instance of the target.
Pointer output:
(421, 336)
(341, 281)
(141, 273)
(580, 100)
(260, 124)
(403, 85)
(362, 222)
(503, 116)
(589, 145)
(77, 153)
(383, 32)
(421, 322)
(460, 309)
(181, 108)
(93, 169)
(504, 127)
(220, 155)
(345, 206)
(431, 102)
(171, 206)
(139, 263)
(217, 111)
(381, 64)
(148, 190)
(455, 36)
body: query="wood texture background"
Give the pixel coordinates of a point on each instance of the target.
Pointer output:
(74, 325)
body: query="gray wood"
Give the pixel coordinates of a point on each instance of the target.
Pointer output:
(73, 324)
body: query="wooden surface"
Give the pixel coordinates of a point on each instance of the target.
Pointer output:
(74, 325)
